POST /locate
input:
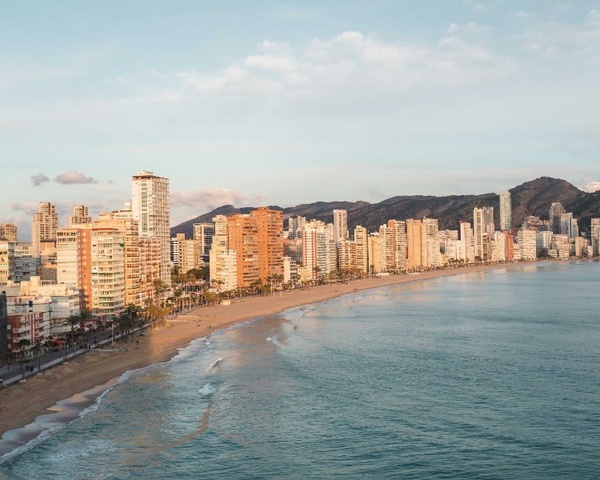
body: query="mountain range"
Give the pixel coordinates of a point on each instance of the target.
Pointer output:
(529, 198)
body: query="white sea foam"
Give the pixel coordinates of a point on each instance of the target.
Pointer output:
(215, 364)
(64, 412)
(207, 390)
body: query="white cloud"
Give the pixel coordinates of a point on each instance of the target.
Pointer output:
(209, 199)
(590, 187)
(73, 177)
(351, 61)
(559, 40)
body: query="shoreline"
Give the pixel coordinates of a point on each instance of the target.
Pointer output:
(22, 403)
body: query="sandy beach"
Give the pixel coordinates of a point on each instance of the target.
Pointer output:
(20, 404)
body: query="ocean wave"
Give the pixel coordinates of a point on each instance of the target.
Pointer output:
(64, 412)
(214, 364)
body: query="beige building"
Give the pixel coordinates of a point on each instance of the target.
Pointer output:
(44, 226)
(203, 234)
(340, 226)
(122, 221)
(8, 231)
(189, 253)
(347, 256)
(80, 216)
(526, 244)
(7, 261)
(377, 250)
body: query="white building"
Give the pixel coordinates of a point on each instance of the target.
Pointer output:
(150, 207)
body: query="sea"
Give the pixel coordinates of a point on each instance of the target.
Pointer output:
(482, 375)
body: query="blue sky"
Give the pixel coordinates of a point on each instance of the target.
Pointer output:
(276, 103)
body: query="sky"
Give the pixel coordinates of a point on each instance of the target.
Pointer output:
(284, 103)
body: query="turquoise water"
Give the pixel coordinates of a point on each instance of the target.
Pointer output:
(482, 375)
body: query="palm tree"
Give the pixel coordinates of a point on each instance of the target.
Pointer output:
(23, 343)
(157, 314)
(160, 288)
(73, 321)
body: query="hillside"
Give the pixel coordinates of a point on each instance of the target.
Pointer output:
(530, 198)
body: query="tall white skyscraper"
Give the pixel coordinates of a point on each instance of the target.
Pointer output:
(478, 231)
(505, 211)
(150, 207)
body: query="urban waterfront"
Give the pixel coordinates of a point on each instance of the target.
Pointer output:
(488, 375)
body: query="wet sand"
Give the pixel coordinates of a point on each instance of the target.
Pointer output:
(20, 404)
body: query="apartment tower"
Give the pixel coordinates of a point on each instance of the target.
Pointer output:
(150, 207)
(43, 227)
(505, 211)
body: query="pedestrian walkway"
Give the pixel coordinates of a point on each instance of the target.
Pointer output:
(11, 374)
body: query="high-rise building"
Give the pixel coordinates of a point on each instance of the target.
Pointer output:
(505, 211)
(398, 245)
(186, 253)
(8, 231)
(478, 233)
(223, 261)
(415, 238)
(269, 224)
(44, 226)
(465, 235)
(431, 244)
(569, 225)
(80, 216)
(556, 210)
(595, 236)
(318, 250)
(527, 244)
(340, 225)
(150, 207)
(122, 221)
(107, 271)
(489, 225)
(7, 261)
(73, 259)
(242, 237)
(203, 233)
(377, 250)
(362, 249)
(4, 350)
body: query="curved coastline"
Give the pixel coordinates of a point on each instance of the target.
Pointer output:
(92, 375)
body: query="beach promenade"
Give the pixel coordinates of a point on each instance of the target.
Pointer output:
(21, 403)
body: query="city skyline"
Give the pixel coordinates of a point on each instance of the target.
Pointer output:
(279, 105)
